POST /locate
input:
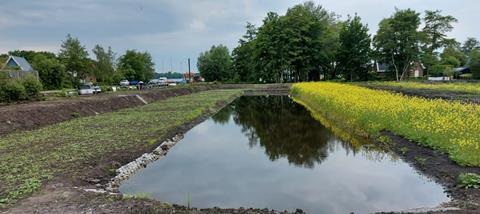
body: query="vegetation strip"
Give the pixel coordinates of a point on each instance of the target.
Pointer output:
(453, 87)
(30, 159)
(446, 126)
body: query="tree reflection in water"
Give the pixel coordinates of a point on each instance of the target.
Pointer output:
(284, 128)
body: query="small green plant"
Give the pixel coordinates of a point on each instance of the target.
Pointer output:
(421, 161)
(75, 114)
(384, 139)
(140, 195)
(469, 180)
(403, 150)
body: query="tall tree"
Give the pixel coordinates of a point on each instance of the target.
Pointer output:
(469, 45)
(136, 65)
(270, 60)
(475, 63)
(397, 41)
(75, 58)
(104, 67)
(215, 64)
(243, 56)
(436, 27)
(303, 44)
(297, 46)
(434, 35)
(354, 52)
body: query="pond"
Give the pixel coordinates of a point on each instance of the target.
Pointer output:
(268, 152)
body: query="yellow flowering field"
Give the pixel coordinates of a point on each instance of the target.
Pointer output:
(470, 88)
(451, 127)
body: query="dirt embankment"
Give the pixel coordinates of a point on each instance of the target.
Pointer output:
(28, 116)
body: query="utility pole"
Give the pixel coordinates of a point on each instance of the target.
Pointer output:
(189, 72)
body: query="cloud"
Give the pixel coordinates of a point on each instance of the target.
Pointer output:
(174, 30)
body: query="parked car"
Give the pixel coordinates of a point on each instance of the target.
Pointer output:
(97, 89)
(124, 83)
(86, 90)
(134, 82)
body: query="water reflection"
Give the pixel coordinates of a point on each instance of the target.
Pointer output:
(269, 152)
(284, 128)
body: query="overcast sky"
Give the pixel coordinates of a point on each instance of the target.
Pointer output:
(174, 30)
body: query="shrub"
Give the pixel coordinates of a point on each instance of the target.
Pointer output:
(12, 91)
(469, 180)
(32, 86)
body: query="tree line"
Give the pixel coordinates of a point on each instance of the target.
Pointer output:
(310, 43)
(72, 65)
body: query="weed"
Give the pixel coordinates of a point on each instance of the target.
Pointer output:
(469, 180)
(403, 150)
(75, 114)
(384, 140)
(421, 161)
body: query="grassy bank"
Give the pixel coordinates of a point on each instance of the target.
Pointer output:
(457, 87)
(32, 158)
(450, 127)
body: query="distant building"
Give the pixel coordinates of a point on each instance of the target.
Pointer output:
(195, 77)
(462, 70)
(417, 69)
(16, 67)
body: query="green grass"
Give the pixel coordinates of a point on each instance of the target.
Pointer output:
(32, 158)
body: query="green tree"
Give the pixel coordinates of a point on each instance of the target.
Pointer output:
(475, 63)
(434, 36)
(243, 56)
(302, 33)
(354, 52)
(270, 59)
(136, 65)
(75, 58)
(297, 46)
(51, 71)
(215, 64)
(104, 66)
(397, 41)
(469, 45)
(453, 56)
(436, 27)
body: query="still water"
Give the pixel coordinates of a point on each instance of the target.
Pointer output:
(268, 152)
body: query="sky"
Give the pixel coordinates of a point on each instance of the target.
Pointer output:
(175, 30)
